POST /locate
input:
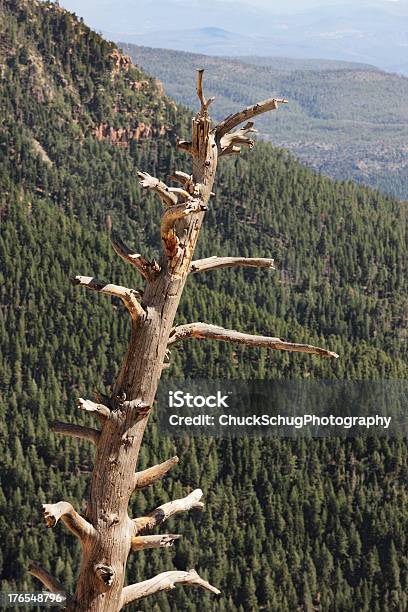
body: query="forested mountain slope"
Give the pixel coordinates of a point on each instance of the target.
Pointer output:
(296, 63)
(288, 524)
(346, 123)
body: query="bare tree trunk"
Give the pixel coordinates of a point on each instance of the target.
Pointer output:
(106, 532)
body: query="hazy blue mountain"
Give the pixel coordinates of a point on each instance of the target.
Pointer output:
(137, 17)
(374, 32)
(208, 40)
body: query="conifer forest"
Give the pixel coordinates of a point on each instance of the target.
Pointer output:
(289, 525)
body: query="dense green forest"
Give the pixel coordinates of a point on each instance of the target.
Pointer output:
(289, 524)
(347, 122)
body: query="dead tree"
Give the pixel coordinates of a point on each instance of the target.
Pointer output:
(106, 533)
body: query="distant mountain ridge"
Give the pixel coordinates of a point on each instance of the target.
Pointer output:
(335, 44)
(297, 63)
(344, 121)
(207, 40)
(368, 31)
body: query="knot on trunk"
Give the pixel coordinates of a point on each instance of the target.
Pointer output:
(105, 573)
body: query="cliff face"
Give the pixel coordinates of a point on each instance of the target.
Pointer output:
(136, 130)
(122, 63)
(70, 73)
(121, 137)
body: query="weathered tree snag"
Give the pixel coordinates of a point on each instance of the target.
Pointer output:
(184, 179)
(235, 119)
(106, 532)
(152, 183)
(232, 143)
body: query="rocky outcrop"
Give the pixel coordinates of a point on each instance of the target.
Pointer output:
(121, 63)
(121, 137)
(138, 85)
(159, 87)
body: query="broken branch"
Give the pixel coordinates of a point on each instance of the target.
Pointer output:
(128, 296)
(235, 119)
(164, 540)
(74, 521)
(164, 582)
(231, 143)
(100, 410)
(165, 511)
(78, 431)
(153, 184)
(174, 214)
(184, 145)
(170, 218)
(204, 103)
(214, 332)
(184, 179)
(153, 474)
(215, 263)
(146, 269)
(50, 583)
(182, 193)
